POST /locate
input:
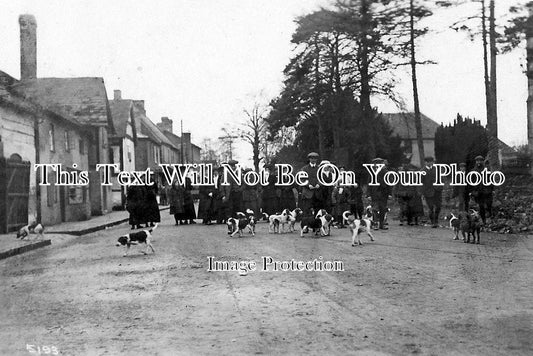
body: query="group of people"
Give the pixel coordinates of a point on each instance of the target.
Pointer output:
(142, 205)
(410, 197)
(218, 202)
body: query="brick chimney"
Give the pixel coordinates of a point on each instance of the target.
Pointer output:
(28, 47)
(117, 95)
(139, 104)
(165, 124)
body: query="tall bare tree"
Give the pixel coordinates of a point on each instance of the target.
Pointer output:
(254, 131)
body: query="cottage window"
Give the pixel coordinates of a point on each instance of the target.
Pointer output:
(76, 195)
(67, 141)
(82, 146)
(51, 140)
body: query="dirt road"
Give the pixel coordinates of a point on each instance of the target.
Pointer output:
(412, 291)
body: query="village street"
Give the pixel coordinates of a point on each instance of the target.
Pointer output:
(412, 291)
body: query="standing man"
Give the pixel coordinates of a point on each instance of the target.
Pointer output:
(310, 193)
(482, 194)
(432, 193)
(379, 194)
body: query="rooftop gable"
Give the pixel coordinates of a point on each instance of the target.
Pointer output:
(83, 99)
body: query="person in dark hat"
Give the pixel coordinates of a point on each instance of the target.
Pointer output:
(431, 192)
(310, 197)
(461, 192)
(482, 194)
(379, 195)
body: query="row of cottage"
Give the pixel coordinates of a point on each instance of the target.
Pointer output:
(71, 121)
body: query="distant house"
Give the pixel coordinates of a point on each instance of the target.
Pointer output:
(191, 152)
(40, 135)
(82, 99)
(122, 143)
(403, 125)
(153, 147)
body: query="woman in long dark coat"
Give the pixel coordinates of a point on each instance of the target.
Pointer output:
(188, 215)
(134, 205)
(207, 203)
(151, 207)
(175, 200)
(270, 193)
(134, 199)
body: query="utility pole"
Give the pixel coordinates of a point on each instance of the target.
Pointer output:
(228, 139)
(181, 143)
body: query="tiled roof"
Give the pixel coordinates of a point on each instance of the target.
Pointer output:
(403, 125)
(175, 139)
(84, 99)
(12, 98)
(145, 126)
(121, 113)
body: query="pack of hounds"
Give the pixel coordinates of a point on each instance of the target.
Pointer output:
(319, 223)
(468, 224)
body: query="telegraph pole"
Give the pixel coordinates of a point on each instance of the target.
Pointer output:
(181, 143)
(228, 139)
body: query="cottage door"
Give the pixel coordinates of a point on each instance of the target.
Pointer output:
(14, 193)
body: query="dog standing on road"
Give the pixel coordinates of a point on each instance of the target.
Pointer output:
(278, 219)
(238, 224)
(136, 238)
(475, 224)
(294, 217)
(356, 226)
(455, 225)
(319, 223)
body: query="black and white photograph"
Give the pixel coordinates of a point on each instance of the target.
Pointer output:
(266, 177)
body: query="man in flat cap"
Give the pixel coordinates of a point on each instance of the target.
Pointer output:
(432, 193)
(310, 198)
(482, 194)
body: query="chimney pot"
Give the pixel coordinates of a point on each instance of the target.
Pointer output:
(165, 124)
(117, 95)
(28, 47)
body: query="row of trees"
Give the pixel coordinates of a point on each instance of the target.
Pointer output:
(346, 54)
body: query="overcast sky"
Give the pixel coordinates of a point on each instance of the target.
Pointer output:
(200, 61)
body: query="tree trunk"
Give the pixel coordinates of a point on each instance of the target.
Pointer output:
(364, 96)
(257, 142)
(418, 120)
(484, 35)
(492, 126)
(321, 147)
